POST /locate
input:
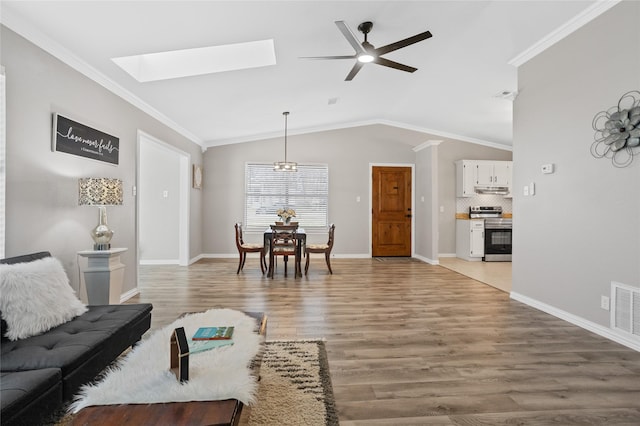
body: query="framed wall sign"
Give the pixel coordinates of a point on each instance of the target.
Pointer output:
(74, 138)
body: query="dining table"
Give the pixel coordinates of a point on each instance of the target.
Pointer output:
(301, 236)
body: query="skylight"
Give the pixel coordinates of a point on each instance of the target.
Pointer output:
(198, 61)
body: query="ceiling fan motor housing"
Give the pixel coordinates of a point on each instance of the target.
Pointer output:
(365, 28)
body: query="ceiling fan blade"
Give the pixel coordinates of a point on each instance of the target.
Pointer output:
(354, 71)
(329, 57)
(403, 43)
(351, 38)
(391, 64)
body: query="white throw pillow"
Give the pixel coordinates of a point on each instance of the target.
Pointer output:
(35, 297)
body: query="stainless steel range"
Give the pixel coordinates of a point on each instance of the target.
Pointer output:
(497, 232)
(479, 212)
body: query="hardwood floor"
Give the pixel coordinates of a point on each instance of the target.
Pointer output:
(416, 344)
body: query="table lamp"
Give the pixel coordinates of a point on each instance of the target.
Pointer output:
(100, 192)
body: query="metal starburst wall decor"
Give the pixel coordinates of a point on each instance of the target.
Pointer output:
(617, 131)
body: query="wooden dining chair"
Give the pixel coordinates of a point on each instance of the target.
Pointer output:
(321, 248)
(284, 242)
(244, 248)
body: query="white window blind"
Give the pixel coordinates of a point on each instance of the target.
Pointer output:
(305, 191)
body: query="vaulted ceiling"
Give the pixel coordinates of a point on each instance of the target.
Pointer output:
(462, 69)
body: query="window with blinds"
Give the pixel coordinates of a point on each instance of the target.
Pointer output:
(305, 191)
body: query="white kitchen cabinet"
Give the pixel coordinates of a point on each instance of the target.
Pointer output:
(470, 239)
(483, 173)
(465, 178)
(493, 173)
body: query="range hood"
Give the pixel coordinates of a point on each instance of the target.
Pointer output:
(498, 190)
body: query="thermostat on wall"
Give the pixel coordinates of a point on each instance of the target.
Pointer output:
(547, 168)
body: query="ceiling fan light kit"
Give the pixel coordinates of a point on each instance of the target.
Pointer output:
(367, 53)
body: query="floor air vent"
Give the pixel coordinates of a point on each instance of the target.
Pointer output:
(625, 312)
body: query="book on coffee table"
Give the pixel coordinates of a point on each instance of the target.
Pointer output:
(213, 333)
(196, 346)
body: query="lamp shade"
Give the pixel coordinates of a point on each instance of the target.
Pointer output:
(99, 192)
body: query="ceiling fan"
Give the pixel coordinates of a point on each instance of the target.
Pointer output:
(366, 52)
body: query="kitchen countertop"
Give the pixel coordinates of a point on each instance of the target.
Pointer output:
(465, 216)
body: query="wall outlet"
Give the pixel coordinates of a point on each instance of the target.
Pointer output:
(604, 302)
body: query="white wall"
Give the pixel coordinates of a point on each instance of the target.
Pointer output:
(42, 211)
(581, 230)
(426, 203)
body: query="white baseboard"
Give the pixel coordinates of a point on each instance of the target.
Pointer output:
(352, 256)
(218, 256)
(426, 259)
(447, 255)
(128, 295)
(576, 320)
(159, 262)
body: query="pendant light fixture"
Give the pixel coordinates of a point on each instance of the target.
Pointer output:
(285, 166)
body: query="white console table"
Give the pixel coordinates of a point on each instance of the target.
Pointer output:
(103, 276)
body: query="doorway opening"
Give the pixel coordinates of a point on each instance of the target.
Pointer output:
(392, 223)
(162, 211)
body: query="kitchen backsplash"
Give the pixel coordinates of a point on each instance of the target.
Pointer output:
(463, 204)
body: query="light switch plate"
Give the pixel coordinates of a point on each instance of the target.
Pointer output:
(547, 168)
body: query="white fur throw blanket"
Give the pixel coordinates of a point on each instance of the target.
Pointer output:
(143, 375)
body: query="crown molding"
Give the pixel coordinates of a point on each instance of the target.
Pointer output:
(15, 23)
(427, 144)
(348, 125)
(564, 30)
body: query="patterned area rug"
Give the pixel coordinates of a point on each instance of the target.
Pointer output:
(295, 386)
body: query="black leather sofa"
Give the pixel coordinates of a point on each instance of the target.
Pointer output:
(41, 373)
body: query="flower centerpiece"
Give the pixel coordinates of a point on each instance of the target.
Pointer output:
(286, 215)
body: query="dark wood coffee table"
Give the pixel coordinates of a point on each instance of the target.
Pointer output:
(226, 412)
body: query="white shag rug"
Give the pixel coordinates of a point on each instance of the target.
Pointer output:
(143, 375)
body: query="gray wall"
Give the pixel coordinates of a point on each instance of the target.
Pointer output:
(348, 152)
(42, 211)
(581, 229)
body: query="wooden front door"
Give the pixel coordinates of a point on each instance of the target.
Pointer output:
(391, 233)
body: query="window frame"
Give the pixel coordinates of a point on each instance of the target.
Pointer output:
(306, 191)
